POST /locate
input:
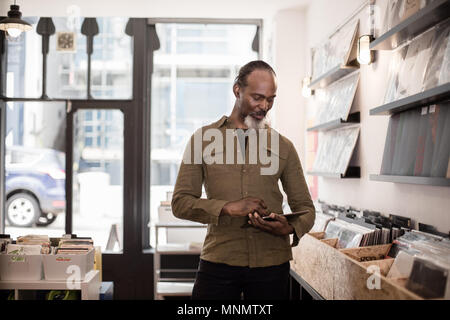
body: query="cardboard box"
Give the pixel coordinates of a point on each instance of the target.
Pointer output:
(62, 266)
(20, 267)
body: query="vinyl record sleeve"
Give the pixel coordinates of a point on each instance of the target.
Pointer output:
(335, 150)
(441, 151)
(421, 141)
(427, 279)
(405, 152)
(337, 99)
(392, 14)
(392, 88)
(438, 57)
(448, 169)
(335, 51)
(430, 141)
(389, 146)
(409, 8)
(412, 71)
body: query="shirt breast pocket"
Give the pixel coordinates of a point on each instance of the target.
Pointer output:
(215, 165)
(220, 178)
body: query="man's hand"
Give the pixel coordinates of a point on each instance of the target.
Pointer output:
(279, 227)
(243, 207)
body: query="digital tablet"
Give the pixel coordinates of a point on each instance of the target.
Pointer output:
(289, 216)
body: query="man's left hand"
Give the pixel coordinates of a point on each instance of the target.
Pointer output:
(279, 227)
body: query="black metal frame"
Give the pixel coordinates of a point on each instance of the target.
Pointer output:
(299, 289)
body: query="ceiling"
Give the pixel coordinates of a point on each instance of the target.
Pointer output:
(156, 8)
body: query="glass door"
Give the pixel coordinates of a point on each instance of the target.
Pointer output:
(97, 176)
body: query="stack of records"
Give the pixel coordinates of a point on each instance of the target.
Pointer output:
(349, 235)
(5, 239)
(424, 261)
(323, 217)
(74, 246)
(321, 222)
(38, 240)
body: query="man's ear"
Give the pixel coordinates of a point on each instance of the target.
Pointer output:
(236, 90)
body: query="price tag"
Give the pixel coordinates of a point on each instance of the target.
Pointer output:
(432, 108)
(424, 110)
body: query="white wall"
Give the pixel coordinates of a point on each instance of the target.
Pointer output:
(426, 204)
(289, 63)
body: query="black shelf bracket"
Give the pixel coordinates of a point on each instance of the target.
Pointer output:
(351, 173)
(429, 16)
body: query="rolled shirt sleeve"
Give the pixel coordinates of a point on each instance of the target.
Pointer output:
(298, 196)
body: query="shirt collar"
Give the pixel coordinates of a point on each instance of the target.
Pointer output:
(221, 122)
(224, 121)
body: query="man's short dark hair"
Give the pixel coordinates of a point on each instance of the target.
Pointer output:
(244, 71)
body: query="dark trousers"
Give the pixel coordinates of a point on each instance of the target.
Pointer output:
(218, 281)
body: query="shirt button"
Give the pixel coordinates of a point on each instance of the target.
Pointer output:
(243, 170)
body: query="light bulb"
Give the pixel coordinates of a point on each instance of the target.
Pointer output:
(14, 32)
(364, 53)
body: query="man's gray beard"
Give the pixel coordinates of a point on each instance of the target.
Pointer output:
(252, 123)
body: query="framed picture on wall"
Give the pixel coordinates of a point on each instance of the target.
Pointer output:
(65, 41)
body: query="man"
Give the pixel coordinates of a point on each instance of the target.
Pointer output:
(236, 260)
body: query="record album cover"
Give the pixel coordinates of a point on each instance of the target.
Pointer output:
(412, 72)
(436, 71)
(337, 99)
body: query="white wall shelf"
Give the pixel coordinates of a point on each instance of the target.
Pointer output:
(331, 76)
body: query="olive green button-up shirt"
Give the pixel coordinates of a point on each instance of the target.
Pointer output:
(226, 241)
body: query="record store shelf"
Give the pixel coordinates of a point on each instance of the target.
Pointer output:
(331, 76)
(352, 119)
(352, 172)
(431, 96)
(432, 14)
(430, 181)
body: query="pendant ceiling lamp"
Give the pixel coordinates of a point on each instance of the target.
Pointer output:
(14, 25)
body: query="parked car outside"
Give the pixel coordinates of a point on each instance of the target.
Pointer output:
(34, 185)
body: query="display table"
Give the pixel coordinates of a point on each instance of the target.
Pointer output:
(90, 287)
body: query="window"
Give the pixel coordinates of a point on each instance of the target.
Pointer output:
(24, 57)
(88, 142)
(98, 179)
(192, 83)
(111, 65)
(35, 168)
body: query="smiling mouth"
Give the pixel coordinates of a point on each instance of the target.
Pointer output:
(258, 115)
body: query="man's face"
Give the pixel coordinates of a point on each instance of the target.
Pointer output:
(256, 99)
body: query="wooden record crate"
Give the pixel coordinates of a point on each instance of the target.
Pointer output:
(342, 274)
